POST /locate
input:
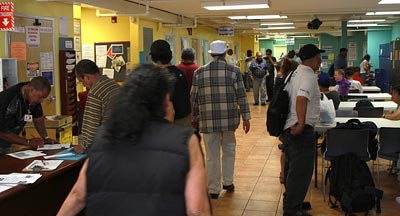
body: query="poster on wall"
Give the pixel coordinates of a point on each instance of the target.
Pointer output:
(88, 51)
(101, 55)
(49, 76)
(32, 69)
(18, 50)
(32, 36)
(352, 51)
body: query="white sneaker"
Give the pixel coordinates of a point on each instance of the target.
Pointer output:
(398, 199)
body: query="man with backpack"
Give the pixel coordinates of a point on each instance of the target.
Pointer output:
(298, 135)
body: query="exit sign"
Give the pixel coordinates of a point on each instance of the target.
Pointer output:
(6, 16)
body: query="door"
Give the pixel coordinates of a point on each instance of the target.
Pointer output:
(147, 41)
(279, 51)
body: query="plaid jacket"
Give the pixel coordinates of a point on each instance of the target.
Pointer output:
(218, 97)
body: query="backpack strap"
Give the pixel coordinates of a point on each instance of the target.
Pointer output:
(288, 79)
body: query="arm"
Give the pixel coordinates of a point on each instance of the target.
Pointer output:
(76, 199)
(194, 101)
(393, 115)
(41, 129)
(241, 95)
(301, 109)
(196, 195)
(13, 138)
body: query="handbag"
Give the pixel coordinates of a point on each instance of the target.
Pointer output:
(327, 110)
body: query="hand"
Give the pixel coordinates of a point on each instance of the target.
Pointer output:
(78, 149)
(195, 125)
(251, 77)
(35, 142)
(297, 129)
(50, 141)
(169, 111)
(246, 126)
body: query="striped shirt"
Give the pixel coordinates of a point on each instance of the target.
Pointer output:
(97, 107)
(218, 97)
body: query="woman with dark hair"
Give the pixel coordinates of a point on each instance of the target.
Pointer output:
(365, 67)
(140, 162)
(394, 114)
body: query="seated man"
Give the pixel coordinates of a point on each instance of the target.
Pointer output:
(354, 84)
(20, 104)
(324, 83)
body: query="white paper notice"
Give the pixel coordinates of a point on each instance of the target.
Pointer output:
(108, 72)
(63, 21)
(88, 51)
(32, 36)
(101, 55)
(46, 61)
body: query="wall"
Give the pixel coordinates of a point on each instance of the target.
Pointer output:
(396, 31)
(375, 38)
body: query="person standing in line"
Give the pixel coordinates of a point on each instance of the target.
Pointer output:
(187, 65)
(340, 60)
(219, 100)
(269, 80)
(365, 68)
(101, 96)
(258, 71)
(231, 59)
(141, 163)
(298, 135)
(161, 54)
(247, 82)
(19, 104)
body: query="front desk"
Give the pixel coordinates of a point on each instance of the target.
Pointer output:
(46, 195)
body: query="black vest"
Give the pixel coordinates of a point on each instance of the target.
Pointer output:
(142, 178)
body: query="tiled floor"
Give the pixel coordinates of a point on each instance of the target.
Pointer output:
(258, 191)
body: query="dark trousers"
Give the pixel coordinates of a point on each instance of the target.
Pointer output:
(270, 86)
(246, 80)
(299, 164)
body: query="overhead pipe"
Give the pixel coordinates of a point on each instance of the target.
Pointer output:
(146, 13)
(182, 25)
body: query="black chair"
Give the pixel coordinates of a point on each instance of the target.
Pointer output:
(346, 113)
(354, 91)
(389, 145)
(343, 141)
(371, 112)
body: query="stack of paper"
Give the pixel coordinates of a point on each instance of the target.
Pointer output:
(26, 154)
(19, 178)
(43, 165)
(54, 146)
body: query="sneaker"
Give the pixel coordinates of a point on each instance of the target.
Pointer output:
(229, 188)
(214, 196)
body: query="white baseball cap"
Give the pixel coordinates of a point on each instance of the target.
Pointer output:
(217, 47)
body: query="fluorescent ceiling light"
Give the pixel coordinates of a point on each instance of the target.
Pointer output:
(362, 25)
(361, 21)
(274, 28)
(389, 2)
(235, 5)
(258, 17)
(383, 13)
(276, 24)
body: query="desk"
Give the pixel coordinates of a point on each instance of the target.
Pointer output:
(46, 195)
(371, 89)
(349, 105)
(373, 96)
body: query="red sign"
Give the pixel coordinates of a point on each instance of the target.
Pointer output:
(6, 16)
(110, 53)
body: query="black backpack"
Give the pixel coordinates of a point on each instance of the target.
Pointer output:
(278, 109)
(351, 184)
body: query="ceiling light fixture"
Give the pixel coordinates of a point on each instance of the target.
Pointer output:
(363, 21)
(383, 13)
(258, 17)
(276, 24)
(235, 5)
(275, 28)
(364, 25)
(389, 2)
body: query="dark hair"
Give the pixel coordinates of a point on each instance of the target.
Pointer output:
(268, 50)
(40, 83)
(396, 89)
(140, 99)
(366, 57)
(188, 54)
(86, 66)
(343, 49)
(291, 54)
(249, 53)
(349, 72)
(161, 52)
(288, 65)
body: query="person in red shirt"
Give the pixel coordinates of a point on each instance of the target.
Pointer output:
(357, 75)
(187, 65)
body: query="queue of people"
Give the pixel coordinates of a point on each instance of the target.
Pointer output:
(154, 129)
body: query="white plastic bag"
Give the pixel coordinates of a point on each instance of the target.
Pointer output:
(327, 110)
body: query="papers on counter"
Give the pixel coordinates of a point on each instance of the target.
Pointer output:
(54, 146)
(26, 154)
(43, 165)
(19, 178)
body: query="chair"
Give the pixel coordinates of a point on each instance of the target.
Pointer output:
(346, 113)
(355, 97)
(372, 112)
(343, 141)
(354, 91)
(389, 145)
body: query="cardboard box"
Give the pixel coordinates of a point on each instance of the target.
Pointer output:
(54, 121)
(62, 134)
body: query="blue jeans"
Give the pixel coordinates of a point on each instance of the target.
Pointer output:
(299, 165)
(259, 87)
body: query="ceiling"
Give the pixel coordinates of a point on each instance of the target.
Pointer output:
(189, 13)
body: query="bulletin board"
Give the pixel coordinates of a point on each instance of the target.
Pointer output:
(32, 44)
(112, 57)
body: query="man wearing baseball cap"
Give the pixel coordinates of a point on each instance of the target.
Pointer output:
(219, 100)
(298, 135)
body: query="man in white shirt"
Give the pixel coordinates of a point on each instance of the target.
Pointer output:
(298, 135)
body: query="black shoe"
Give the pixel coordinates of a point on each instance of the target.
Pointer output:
(263, 104)
(255, 104)
(305, 206)
(214, 196)
(229, 188)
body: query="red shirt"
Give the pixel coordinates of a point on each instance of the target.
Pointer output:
(188, 70)
(358, 78)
